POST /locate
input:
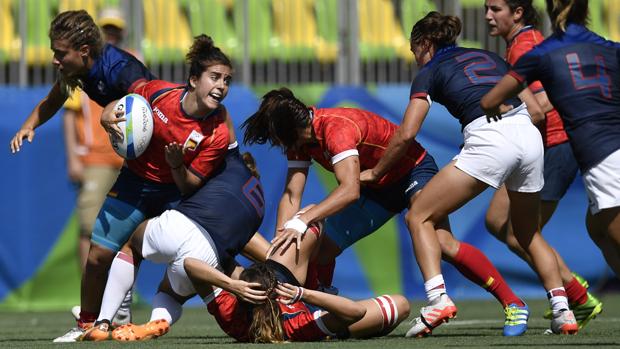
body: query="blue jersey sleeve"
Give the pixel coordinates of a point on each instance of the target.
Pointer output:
(526, 67)
(421, 87)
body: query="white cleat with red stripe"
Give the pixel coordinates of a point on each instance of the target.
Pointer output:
(439, 311)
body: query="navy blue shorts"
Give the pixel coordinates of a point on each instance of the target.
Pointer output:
(377, 206)
(560, 171)
(131, 200)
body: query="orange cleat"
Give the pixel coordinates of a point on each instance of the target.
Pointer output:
(132, 332)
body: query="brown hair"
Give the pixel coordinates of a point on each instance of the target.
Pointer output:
(564, 11)
(279, 116)
(266, 325)
(437, 29)
(203, 53)
(530, 15)
(79, 28)
(250, 163)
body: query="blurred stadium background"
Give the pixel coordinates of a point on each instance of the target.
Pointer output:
(331, 53)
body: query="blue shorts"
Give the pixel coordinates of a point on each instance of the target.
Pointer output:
(131, 200)
(560, 171)
(376, 206)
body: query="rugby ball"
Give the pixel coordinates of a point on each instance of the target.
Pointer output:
(137, 128)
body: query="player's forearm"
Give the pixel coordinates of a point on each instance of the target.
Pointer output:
(288, 206)
(341, 307)
(186, 181)
(395, 151)
(341, 197)
(203, 274)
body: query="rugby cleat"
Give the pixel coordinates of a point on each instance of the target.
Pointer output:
(516, 320)
(564, 323)
(133, 332)
(583, 312)
(439, 311)
(72, 336)
(99, 332)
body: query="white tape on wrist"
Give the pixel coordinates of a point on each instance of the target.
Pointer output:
(296, 224)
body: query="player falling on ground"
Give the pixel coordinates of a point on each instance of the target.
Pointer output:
(346, 141)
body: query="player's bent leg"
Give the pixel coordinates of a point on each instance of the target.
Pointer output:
(383, 315)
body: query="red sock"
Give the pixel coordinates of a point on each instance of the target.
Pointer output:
(86, 318)
(475, 266)
(576, 293)
(312, 281)
(326, 273)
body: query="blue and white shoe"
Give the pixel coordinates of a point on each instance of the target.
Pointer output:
(516, 320)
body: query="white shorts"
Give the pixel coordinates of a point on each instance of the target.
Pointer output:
(507, 151)
(602, 183)
(172, 237)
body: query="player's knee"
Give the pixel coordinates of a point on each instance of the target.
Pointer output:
(99, 257)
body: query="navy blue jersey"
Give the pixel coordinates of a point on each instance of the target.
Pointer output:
(458, 78)
(113, 75)
(230, 206)
(580, 72)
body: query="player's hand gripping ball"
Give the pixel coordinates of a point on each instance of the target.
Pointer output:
(137, 128)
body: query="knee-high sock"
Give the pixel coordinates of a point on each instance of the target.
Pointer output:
(475, 266)
(120, 280)
(165, 307)
(576, 293)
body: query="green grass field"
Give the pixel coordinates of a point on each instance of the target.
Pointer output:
(478, 325)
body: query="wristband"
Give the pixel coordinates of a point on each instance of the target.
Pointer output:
(298, 295)
(296, 224)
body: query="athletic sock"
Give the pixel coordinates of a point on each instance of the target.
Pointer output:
(475, 266)
(575, 292)
(434, 287)
(120, 280)
(86, 318)
(325, 273)
(165, 307)
(558, 300)
(312, 281)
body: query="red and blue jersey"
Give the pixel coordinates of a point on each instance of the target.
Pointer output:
(205, 140)
(344, 132)
(523, 42)
(300, 321)
(458, 78)
(580, 72)
(113, 75)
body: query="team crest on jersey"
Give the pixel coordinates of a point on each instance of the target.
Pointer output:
(193, 141)
(100, 86)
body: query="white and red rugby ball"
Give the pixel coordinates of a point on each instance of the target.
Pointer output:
(137, 129)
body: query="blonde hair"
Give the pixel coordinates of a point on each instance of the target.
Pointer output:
(266, 326)
(563, 11)
(78, 28)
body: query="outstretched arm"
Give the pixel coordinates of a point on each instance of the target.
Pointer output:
(46, 108)
(507, 87)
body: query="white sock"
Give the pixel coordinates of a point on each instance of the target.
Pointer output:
(165, 307)
(434, 287)
(558, 299)
(120, 280)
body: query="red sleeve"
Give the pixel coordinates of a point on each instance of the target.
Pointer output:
(147, 90)
(212, 150)
(521, 45)
(230, 316)
(340, 135)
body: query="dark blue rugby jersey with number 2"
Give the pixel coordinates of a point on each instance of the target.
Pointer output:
(458, 77)
(580, 72)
